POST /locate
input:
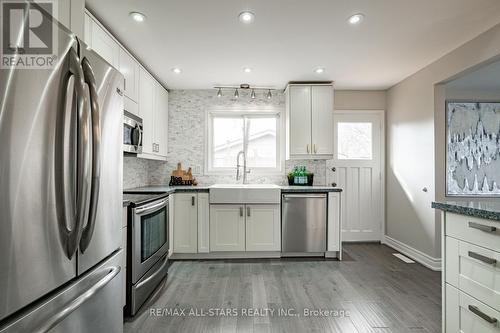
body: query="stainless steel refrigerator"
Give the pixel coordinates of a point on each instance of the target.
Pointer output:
(61, 194)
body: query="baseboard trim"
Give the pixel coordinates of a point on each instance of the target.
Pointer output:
(418, 256)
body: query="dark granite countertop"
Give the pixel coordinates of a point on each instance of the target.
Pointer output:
(311, 189)
(485, 209)
(172, 189)
(158, 189)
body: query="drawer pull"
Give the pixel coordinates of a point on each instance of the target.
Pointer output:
(475, 310)
(480, 257)
(482, 227)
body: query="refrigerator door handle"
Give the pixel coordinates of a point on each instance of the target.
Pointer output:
(89, 78)
(73, 235)
(78, 301)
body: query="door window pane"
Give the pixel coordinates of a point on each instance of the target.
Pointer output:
(354, 141)
(261, 151)
(227, 141)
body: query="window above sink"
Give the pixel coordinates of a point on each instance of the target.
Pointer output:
(257, 134)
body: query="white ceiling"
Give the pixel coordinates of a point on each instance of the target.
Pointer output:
(486, 78)
(290, 38)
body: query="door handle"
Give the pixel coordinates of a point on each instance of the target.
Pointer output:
(248, 211)
(89, 78)
(74, 181)
(84, 156)
(241, 211)
(480, 257)
(314, 147)
(482, 227)
(78, 301)
(192, 200)
(475, 310)
(308, 148)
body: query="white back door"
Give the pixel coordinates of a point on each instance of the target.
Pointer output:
(358, 169)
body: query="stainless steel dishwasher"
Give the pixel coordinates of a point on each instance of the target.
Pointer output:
(303, 224)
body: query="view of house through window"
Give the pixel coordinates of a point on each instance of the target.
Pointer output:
(256, 135)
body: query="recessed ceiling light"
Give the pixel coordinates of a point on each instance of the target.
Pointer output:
(176, 70)
(246, 17)
(356, 18)
(319, 70)
(247, 70)
(138, 17)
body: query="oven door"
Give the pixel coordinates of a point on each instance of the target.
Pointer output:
(149, 236)
(132, 133)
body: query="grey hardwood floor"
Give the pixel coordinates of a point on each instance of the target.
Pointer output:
(376, 291)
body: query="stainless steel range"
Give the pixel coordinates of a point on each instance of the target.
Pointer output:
(148, 251)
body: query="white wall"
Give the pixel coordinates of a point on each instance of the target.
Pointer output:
(415, 144)
(186, 136)
(360, 99)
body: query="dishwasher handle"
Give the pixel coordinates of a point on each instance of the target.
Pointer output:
(305, 196)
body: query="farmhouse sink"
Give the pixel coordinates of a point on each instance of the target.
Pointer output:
(245, 194)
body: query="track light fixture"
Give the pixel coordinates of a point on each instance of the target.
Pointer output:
(245, 86)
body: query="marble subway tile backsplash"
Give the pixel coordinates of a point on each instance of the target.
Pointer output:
(186, 141)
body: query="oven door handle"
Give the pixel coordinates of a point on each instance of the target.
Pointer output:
(151, 208)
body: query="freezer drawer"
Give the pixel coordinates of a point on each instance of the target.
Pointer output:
(92, 303)
(303, 223)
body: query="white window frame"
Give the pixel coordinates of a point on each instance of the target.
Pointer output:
(247, 113)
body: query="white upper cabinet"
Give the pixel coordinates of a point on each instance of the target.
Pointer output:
(143, 95)
(322, 120)
(299, 120)
(309, 119)
(160, 121)
(129, 67)
(147, 86)
(71, 14)
(105, 45)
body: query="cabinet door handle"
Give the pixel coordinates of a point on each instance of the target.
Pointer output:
(480, 257)
(475, 310)
(192, 200)
(241, 211)
(482, 227)
(248, 211)
(124, 84)
(314, 147)
(308, 148)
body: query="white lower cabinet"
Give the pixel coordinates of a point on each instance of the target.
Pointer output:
(227, 228)
(263, 228)
(190, 222)
(245, 228)
(466, 314)
(185, 223)
(471, 256)
(203, 223)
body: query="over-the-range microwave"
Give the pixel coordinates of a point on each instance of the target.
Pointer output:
(132, 133)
